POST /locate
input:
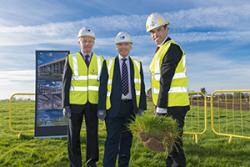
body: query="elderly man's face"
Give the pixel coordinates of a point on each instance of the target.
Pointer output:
(123, 48)
(86, 43)
(159, 34)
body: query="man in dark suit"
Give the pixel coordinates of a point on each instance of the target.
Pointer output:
(80, 98)
(121, 97)
(169, 82)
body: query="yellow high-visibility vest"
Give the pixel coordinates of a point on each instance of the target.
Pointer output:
(85, 80)
(137, 80)
(178, 93)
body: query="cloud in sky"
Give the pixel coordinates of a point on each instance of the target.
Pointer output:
(232, 19)
(195, 25)
(16, 81)
(217, 72)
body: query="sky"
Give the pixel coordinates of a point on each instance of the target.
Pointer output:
(215, 36)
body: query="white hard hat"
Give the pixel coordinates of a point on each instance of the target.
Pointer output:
(122, 37)
(85, 31)
(155, 20)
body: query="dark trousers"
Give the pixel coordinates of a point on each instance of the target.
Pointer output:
(74, 144)
(119, 137)
(176, 157)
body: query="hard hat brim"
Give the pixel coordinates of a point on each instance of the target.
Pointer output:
(124, 42)
(152, 28)
(86, 36)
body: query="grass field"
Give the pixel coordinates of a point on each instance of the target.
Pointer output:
(211, 150)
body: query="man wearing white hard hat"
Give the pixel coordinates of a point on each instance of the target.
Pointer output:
(121, 97)
(169, 81)
(80, 98)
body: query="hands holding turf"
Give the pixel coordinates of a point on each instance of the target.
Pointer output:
(160, 111)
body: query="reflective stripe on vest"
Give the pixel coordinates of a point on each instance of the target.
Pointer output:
(84, 80)
(172, 90)
(84, 88)
(137, 80)
(178, 92)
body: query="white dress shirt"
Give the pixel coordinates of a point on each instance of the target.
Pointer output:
(163, 41)
(129, 95)
(84, 54)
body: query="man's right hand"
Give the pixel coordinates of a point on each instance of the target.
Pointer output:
(101, 114)
(66, 111)
(161, 111)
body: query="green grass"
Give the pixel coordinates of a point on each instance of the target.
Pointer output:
(163, 129)
(211, 150)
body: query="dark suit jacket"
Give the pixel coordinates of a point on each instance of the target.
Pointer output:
(116, 92)
(169, 64)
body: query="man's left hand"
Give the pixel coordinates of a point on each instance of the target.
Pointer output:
(140, 112)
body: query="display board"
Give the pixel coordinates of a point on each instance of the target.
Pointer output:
(49, 118)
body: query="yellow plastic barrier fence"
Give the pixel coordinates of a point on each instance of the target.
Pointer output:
(196, 118)
(21, 112)
(230, 113)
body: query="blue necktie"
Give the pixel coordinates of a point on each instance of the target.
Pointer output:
(87, 59)
(124, 77)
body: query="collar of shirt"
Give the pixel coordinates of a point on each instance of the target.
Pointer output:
(163, 41)
(120, 57)
(84, 54)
